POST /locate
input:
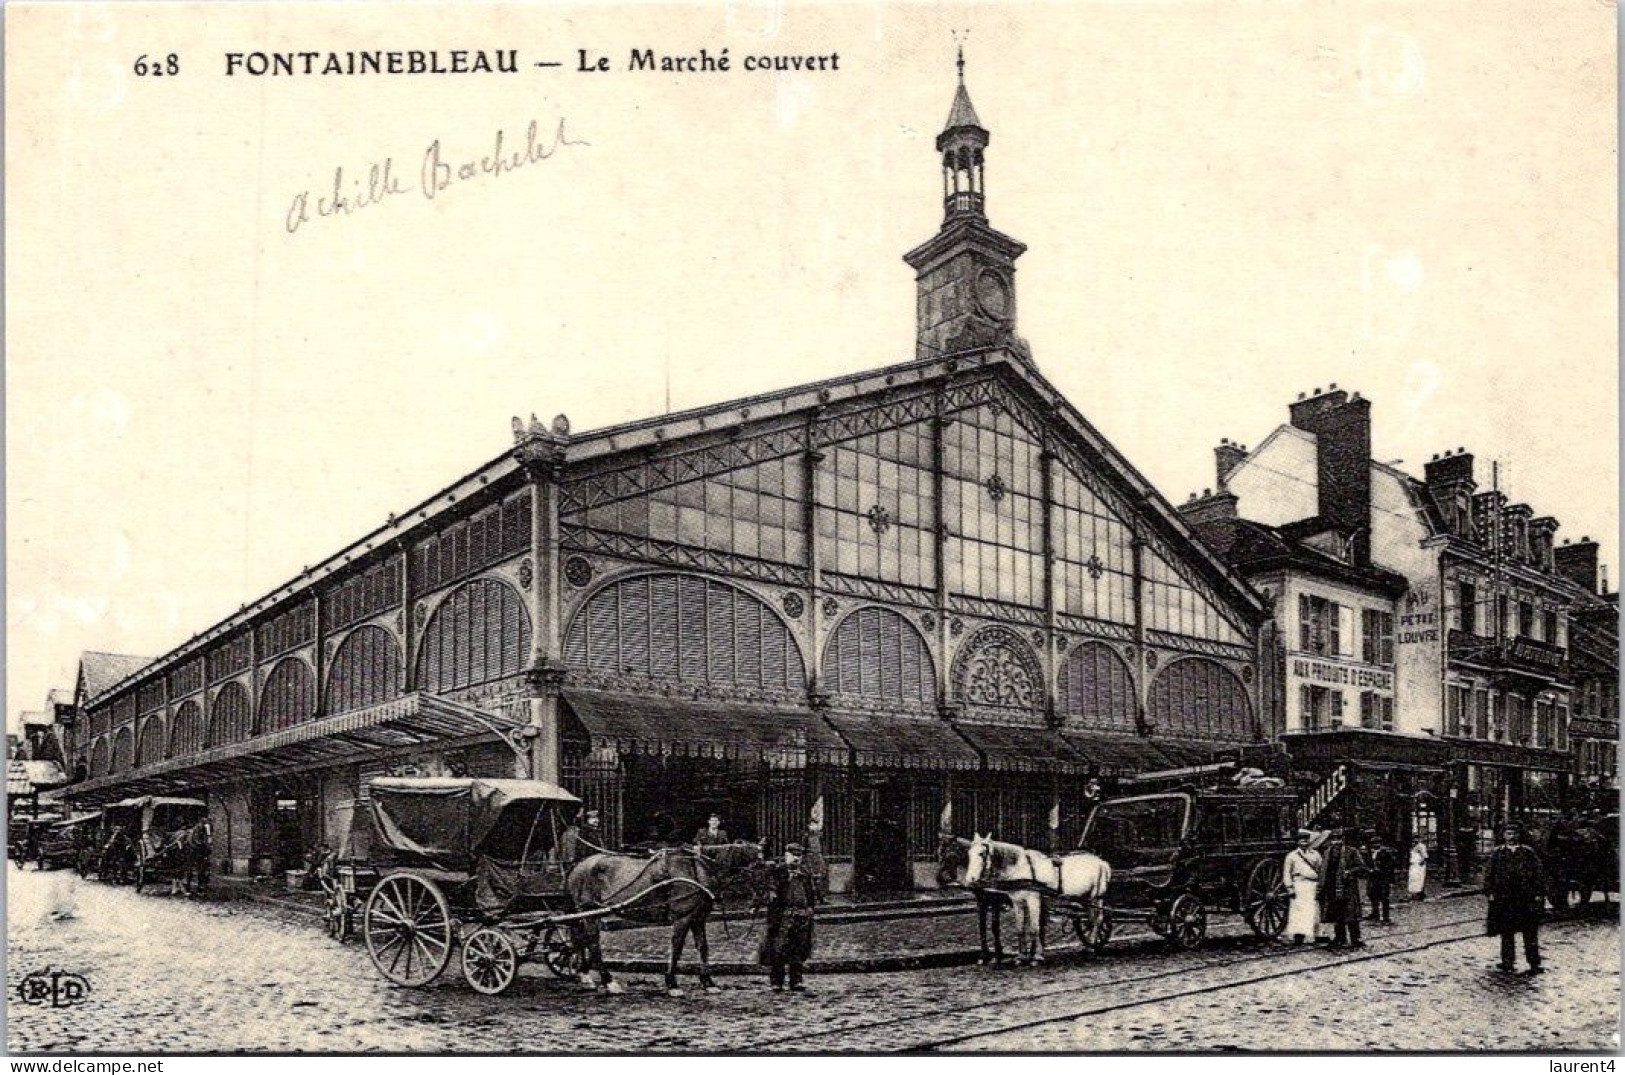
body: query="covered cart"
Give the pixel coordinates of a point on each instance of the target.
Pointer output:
(174, 842)
(1177, 856)
(442, 864)
(72, 842)
(120, 833)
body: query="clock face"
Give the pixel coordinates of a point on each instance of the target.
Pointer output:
(993, 294)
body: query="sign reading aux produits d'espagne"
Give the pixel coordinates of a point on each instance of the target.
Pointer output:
(1343, 675)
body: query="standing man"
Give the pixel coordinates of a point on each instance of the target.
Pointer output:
(1515, 883)
(1379, 886)
(791, 898)
(1340, 890)
(1302, 873)
(581, 839)
(712, 834)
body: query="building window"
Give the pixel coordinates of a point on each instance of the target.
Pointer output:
(1517, 718)
(1321, 626)
(480, 632)
(1497, 718)
(1467, 607)
(1200, 697)
(1095, 688)
(1526, 619)
(1562, 727)
(1376, 711)
(1481, 714)
(877, 654)
(1459, 721)
(1551, 627)
(1322, 708)
(1377, 637)
(366, 670)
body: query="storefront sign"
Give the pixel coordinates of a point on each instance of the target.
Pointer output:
(1343, 675)
(1419, 622)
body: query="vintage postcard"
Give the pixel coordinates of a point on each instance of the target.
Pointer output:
(764, 527)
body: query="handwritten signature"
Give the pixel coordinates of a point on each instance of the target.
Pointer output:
(437, 173)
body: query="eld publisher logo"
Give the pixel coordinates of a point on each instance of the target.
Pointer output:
(53, 988)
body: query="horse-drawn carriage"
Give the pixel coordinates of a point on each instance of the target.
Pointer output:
(23, 836)
(1177, 856)
(434, 865)
(71, 842)
(119, 835)
(173, 844)
(1581, 853)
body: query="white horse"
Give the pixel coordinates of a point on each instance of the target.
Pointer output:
(1029, 876)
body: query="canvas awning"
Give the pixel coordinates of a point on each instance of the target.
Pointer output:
(410, 721)
(1121, 755)
(1007, 748)
(688, 727)
(900, 742)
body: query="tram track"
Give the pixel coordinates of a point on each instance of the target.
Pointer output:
(1303, 961)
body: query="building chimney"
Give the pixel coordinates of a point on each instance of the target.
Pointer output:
(1342, 428)
(1577, 562)
(1213, 517)
(1226, 458)
(1450, 469)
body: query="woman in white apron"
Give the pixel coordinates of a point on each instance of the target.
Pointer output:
(1302, 875)
(1416, 881)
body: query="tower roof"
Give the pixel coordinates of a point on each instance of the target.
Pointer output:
(963, 113)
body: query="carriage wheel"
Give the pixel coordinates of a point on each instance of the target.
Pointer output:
(559, 953)
(1093, 931)
(1264, 899)
(1187, 922)
(490, 960)
(408, 928)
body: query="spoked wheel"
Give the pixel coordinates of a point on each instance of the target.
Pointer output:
(1265, 899)
(1095, 929)
(559, 953)
(408, 928)
(337, 917)
(490, 960)
(1187, 922)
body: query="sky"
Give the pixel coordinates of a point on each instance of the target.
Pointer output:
(1225, 205)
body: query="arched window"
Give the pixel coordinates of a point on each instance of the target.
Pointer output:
(1200, 697)
(682, 627)
(997, 672)
(877, 654)
(100, 759)
(231, 716)
(366, 670)
(288, 697)
(123, 750)
(1096, 689)
(186, 732)
(152, 740)
(479, 633)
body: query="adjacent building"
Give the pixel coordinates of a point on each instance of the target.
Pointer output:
(931, 584)
(1422, 627)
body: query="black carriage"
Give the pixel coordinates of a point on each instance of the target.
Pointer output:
(70, 843)
(1581, 854)
(457, 865)
(118, 839)
(173, 844)
(1179, 856)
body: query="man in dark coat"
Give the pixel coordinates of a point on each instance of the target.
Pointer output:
(581, 839)
(1380, 884)
(1515, 883)
(792, 895)
(712, 834)
(1342, 870)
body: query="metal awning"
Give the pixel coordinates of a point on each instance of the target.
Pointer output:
(899, 742)
(410, 721)
(699, 728)
(1007, 748)
(1121, 755)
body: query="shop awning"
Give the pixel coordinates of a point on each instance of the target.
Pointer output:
(696, 728)
(1121, 755)
(1025, 750)
(1186, 755)
(897, 742)
(410, 721)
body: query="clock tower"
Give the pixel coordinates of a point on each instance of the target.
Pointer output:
(966, 272)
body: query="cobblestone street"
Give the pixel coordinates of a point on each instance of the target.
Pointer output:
(168, 974)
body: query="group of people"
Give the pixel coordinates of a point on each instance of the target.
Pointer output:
(1324, 875)
(793, 890)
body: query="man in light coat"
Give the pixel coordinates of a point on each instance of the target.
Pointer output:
(1301, 871)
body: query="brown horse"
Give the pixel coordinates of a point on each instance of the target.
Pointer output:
(677, 885)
